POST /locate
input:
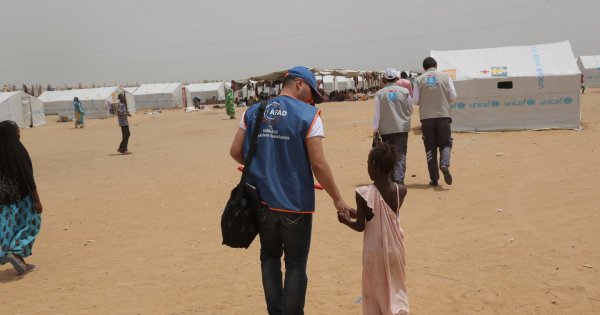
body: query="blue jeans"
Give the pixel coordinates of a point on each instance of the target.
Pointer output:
(284, 233)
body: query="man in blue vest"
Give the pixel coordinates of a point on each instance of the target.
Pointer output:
(288, 151)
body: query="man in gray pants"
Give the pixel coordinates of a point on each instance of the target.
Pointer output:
(434, 92)
(393, 107)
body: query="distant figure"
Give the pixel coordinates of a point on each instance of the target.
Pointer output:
(20, 205)
(378, 206)
(582, 84)
(393, 107)
(405, 83)
(78, 109)
(197, 103)
(229, 105)
(122, 114)
(434, 92)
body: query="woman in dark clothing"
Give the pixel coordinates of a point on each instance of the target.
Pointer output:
(20, 205)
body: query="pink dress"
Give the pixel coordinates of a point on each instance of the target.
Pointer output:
(383, 285)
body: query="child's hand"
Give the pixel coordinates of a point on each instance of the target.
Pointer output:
(352, 213)
(344, 217)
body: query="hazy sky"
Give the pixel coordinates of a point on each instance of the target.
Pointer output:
(72, 41)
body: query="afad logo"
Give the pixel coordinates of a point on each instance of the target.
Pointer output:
(273, 113)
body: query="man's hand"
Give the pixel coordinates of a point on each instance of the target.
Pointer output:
(342, 207)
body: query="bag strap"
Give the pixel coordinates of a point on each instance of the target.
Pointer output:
(252, 149)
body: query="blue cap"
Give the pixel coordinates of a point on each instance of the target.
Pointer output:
(305, 74)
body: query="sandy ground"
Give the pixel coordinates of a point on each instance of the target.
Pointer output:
(140, 233)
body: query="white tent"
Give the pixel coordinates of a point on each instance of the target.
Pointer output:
(159, 95)
(130, 89)
(513, 88)
(205, 91)
(331, 83)
(92, 100)
(22, 108)
(590, 68)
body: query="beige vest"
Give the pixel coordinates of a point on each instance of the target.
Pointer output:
(394, 110)
(434, 100)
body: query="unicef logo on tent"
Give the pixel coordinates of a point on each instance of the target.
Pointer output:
(530, 102)
(273, 113)
(459, 105)
(567, 100)
(495, 103)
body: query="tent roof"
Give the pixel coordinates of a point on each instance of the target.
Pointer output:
(4, 96)
(590, 62)
(130, 89)
(82, 94)
(202, 87)
(514, 61)
(157, 88)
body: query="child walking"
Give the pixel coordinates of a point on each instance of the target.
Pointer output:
(378, 205)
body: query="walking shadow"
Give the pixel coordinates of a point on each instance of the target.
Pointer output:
(426, 186)
(9, 275)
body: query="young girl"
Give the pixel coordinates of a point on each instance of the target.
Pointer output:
(383, 287)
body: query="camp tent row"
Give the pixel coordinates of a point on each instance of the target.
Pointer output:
(94, 101)
(22, 108)
(513, 88)
(590, 68)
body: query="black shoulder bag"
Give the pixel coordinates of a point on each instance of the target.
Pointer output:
(238, 222)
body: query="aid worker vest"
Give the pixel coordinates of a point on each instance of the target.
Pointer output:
(281, 169)
(434, 99)
(394, 109)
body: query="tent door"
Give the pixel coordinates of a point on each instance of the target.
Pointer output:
(27, 111)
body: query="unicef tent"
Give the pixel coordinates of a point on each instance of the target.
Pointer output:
(590, 68)
(22, 108)
(205, 91)
(159, 95)
(513, 88)
(93, 101)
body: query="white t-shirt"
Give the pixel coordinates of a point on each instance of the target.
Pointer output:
(315, 131)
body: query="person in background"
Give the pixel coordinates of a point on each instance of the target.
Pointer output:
(122, 114)
(78, 109)
(434, 92)
(229, 105)
(20, 206)
(391, 121)
(405, 83)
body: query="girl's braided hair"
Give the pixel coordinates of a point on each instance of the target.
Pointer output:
(383, 157)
